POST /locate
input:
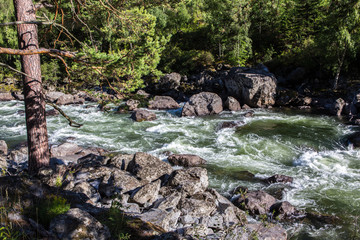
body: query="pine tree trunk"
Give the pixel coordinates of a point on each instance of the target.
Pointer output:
(37, 138)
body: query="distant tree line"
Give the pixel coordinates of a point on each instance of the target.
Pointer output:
(121, 43)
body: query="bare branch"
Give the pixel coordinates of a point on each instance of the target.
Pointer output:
(27, 22)
(11, 51)
(71, 122)
(15, 70)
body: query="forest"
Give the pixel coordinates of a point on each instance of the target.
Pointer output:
(124, 43)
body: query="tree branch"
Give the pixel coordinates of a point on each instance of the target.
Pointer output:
(71, 122)
(15, 70)
(11, 51)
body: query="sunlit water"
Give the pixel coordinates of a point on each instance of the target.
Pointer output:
(309, 148)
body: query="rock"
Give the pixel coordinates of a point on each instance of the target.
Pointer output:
(205, 103)
(52, 112)
(19, 154)
(279, 179)
(124, 181)
(199, 205)
(78, 224)
(168, 202)
(67, 99)
(169, 82)
(143, 115)
(354, 139)
(249, 114)
(143, 94)
(147, 167)
(147, 194)
(257, 202)
(338, 107)
(268, 232)
(165, 219)
(132, 104)
(198, 231)
(3, 147)
(163, 103)
(121, 161)
(65, 149)
(255, 88)
(53, 96)
(283, 210)
(246, 107)
(3, 163)
(232, 104)
(191, 180)
(6, 97)
(18, 96)
(230, 124)
(186, 160)
(296, 75)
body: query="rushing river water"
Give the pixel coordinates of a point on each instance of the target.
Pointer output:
(310, 148)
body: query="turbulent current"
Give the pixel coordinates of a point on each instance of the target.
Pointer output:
(308, 147)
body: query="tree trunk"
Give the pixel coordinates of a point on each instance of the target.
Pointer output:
(37, 138)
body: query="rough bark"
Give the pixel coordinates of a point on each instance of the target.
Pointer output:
(34, 99)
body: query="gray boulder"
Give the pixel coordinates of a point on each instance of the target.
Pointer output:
(141, 115)
(163, 103)
(67, 99)
(132, 104)
(201, 104)
(232, 104)
(257, 202)
(283, 210)
(186, 160)
(65, 149)
(78, 224)
(6, 97)
(3, 147)
(121, 161)
(147, 167)
(147, 194)
(253, 87)
(165, 219)
(53, 96)
(190, 181)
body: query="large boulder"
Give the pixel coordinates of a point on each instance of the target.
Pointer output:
(64, 149)
(141, 115)
(6, 97)
(163, 103)
(201, 104)
(232, 104)
(253, 87)
(190, 181)
(256, 202)
(186, 160)
(78, 224)
(147, 194)
(147, 167)
(3, 147)
(53, 96)
(67, 99)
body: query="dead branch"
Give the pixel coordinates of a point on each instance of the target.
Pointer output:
(11, 51)
(15, 70)
(72, 123)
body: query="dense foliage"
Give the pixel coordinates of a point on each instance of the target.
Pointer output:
(119, 42)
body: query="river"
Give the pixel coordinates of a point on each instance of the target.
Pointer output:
(308, 147)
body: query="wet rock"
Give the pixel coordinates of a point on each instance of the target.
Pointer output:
(223, 125)
(147, 194)
(232, 104)
(186, 160)
(249, 114)
(205, 103)
(52, 112)
(257, 202)
(165, 219)
(283, 210)
(338, 107)
(65, 149)
(253, 87)
(141, 115)
(6, 97)
(317, 218)
(3, 147)
(132, 104)
(246, 107)
(277, 178)
(191, 180)
(354, 139)
(163, 103)
(147, 167)
(78, 224)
